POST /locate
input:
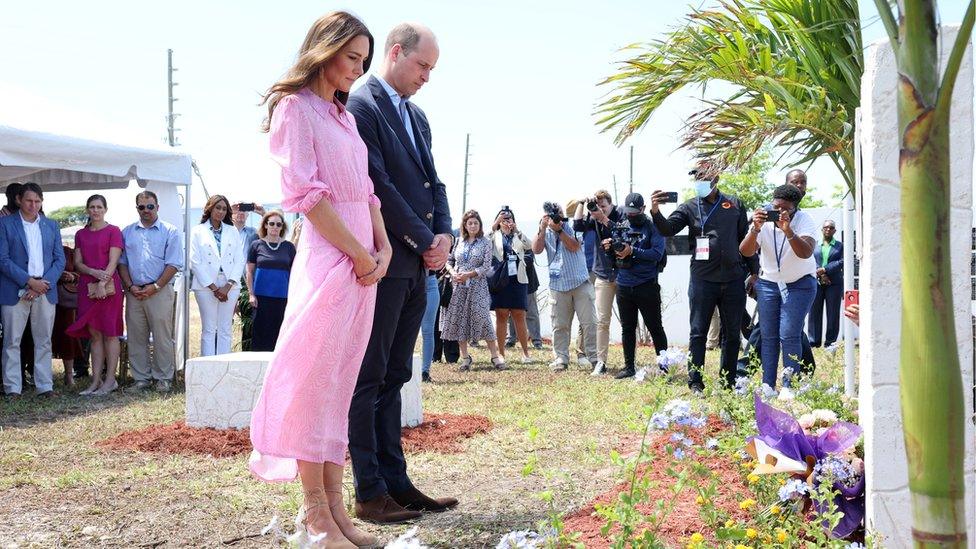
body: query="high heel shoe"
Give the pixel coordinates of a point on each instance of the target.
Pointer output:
(321, 539)
(361, 539)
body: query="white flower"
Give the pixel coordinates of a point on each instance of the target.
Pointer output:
(768, 392)
(825, 416)
(640, 375)
(522, 539)
(741, 385)
(786, 394)
(807, 421)
(407, 541)
(711, 443)
(271, 527)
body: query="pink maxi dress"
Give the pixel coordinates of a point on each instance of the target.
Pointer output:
(303, 410)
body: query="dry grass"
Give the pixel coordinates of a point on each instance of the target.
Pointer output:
(59, 490)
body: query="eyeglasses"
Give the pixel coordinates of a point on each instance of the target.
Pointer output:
(274, 224)
(149, 207)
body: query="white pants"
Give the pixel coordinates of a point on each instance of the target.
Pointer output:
(40, 314)
(216, 318)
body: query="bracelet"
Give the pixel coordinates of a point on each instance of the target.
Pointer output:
(754, 231)
(369, 273)
(791, 237)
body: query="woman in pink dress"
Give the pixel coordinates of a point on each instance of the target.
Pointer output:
(300, 423)
(98, 247)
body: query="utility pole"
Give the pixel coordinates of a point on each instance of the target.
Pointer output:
(616, 199)
(467, 157)
(170, 116)
(631, 169)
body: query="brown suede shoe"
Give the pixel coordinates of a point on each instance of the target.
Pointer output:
(416, 500)
(383, 510)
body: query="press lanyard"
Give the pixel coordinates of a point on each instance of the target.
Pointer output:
(466, 252)
(705, 218)
(778, 252)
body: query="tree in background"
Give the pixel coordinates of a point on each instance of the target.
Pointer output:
(69, 216)
(795, 68)
(932, 404)
(750, 183)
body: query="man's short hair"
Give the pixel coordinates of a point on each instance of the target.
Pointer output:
(602, 194)
(789, 193)
(404, 34)
(831, 221)
(32, 187)
(796, 172)
(147, 194)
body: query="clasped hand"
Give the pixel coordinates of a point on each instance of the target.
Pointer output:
(436, 256)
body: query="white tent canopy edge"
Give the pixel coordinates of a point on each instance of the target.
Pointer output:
(68, 163)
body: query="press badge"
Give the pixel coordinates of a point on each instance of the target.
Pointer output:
(512, 265)
(701, 249)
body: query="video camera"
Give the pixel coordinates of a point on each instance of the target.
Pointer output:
(552, 210)
(622, 234)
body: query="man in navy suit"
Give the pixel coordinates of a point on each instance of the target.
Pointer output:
(829, 256)
(415, 210)
(31, 261)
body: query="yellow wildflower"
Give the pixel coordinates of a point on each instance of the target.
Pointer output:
(753, 479)
(746, 504)
(751, 533)
(700, 500)
(782, 482)
(740, 546)
(729, 523)
(775, 509)
(781, 535)
(697, 538)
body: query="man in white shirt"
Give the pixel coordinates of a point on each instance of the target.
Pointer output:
(31, 261)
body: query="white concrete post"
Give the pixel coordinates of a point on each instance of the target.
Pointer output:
(888, 499)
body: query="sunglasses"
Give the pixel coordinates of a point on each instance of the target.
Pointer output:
(149, 207)
(274, 224)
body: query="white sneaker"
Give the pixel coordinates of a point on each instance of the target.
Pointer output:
(558, 365)
(583, 361)
(599, 369)
(526, 359)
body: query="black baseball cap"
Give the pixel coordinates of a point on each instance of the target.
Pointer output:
(633, 203)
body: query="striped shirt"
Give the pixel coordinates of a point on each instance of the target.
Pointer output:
(567, 270)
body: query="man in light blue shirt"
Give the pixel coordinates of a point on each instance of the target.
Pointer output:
(569, 286)
(152, 256)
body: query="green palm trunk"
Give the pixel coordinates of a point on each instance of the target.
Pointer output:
(931, 381)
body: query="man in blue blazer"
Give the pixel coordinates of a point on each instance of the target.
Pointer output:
(415, 210)
(829, 256)
(31, 261)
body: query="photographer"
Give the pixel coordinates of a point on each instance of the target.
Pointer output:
(716, 225)
(569, 284)
(638, 248)
(594, 218)
(787, 286)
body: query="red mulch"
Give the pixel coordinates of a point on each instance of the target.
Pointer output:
(684, 519)
(442, 433)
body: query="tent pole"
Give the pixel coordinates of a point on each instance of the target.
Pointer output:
(186, 276)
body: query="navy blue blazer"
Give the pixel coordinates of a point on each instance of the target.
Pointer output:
(13, 257)
(835, 261)
(414, 200)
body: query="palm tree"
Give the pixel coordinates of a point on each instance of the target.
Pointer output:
(795, 67)
(933, 412)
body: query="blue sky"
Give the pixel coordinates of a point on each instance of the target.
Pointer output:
(519, 76)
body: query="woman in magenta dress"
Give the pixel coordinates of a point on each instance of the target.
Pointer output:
(299, 426)
(98, 247)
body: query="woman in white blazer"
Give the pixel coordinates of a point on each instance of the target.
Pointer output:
(217, 263)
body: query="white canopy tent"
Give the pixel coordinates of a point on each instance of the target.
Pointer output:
(64, 163)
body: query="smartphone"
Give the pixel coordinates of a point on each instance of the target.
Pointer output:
(772, 215)
(670, 197)
(245, 207)
(851, 298)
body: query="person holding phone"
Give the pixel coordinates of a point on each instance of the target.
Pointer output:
(787, 286)
(716, 225)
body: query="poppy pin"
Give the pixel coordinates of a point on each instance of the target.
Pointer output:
(726, 205)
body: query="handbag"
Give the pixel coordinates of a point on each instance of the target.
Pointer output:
(446, 289)
(498, 279)
(531, 273)
(68, 295)
(101, 289)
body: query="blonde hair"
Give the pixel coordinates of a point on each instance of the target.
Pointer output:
(328, 35)
(263, 227)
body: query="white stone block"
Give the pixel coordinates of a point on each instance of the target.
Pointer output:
(411, 406)
(221, 390)
(888, 499)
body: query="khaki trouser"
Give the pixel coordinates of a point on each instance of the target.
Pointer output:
(714, 329)
(605, 293)
(562, 307)
(157, 316)
(39, 312)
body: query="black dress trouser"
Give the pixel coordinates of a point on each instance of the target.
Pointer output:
(644, 299)
(378, 464)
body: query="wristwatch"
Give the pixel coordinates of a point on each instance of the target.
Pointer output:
(156, 286)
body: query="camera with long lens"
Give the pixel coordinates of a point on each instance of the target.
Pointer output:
(552, 210)
(622, 234)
